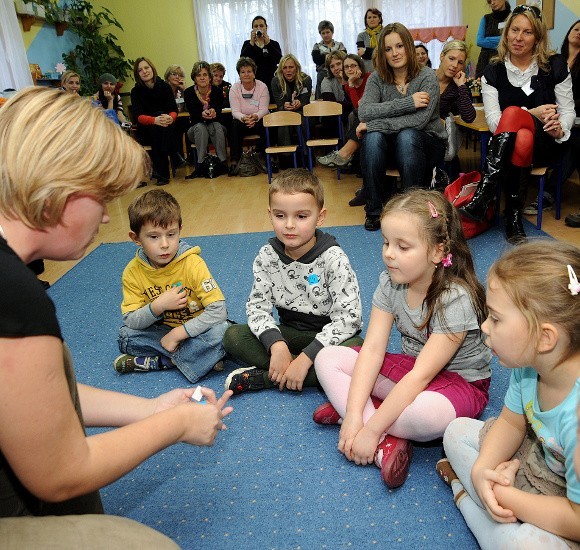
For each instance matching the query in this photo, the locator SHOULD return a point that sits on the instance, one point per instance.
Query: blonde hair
(174, 69)
(444, 229)
(67, 75)
(454, 45)
(380, 61)
(53, 145)
(542, 49)
(300, 76)
(535, 277)
(298, 180)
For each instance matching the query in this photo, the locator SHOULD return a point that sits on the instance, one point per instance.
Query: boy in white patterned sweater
(308, 278)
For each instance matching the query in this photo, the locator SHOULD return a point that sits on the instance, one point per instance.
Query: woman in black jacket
(155, 112)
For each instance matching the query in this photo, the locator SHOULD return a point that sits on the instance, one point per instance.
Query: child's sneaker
(131, 363)
(395, 460)
(325, 414)
(246, 379)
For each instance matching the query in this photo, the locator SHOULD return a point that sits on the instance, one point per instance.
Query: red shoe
(325, 414)
(395, 461)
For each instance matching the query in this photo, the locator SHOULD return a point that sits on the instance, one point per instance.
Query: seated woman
(249, 100)
(570, 49)
(291, 89)
(355, 79)
(321, 50)
(155, 112)
(70, 82)
(400, 124)
(218, 71)
(422, 55)
(527, 95)
(204, 104)
(455, 96)
(107, 100)
(175, 77)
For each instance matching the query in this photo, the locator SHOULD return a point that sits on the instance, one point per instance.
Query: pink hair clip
(432, 210)
(574, 286)
(448, 260)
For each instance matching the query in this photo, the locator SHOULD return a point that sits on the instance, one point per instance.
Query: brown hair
(383, 68)
(199, 66)
(298, 180)
(54, 145)
(535, 277)
(375, 11)
(246, 62)
(217, 67)
(445, 230)
(360, 62)
(157, 207)
(138, 80)
(338, 54)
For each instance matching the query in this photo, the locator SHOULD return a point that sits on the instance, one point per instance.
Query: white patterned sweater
(318, 292)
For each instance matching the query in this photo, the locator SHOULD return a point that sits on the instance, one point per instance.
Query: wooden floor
(239, 205)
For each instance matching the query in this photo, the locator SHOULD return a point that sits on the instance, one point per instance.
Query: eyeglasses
(177, 74)
(523, 8)
(353, 66)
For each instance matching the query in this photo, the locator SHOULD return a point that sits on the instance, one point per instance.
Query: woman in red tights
(527, 95)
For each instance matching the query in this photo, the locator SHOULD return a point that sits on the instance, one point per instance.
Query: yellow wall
(162, 31)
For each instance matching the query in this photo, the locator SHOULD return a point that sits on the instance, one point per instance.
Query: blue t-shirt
(556, 428)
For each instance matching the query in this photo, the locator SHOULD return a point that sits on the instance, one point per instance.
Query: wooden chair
(324, 109)
(277, 119)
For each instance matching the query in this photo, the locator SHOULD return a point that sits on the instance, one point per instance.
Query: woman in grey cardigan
(400, 124)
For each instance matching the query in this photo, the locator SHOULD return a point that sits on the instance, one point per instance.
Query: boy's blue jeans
(194, 357)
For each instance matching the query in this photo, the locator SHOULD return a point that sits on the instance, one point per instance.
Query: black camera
(259, 34)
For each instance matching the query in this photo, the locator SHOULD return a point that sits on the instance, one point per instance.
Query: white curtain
(223, 25)
(14, 69)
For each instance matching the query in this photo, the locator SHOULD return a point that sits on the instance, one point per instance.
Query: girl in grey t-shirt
(431, 294)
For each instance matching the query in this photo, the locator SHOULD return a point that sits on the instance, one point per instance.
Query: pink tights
(423, 420)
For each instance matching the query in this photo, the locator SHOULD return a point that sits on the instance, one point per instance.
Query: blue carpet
(274, 479)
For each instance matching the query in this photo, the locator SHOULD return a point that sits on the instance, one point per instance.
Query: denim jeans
(194, 357)
(413, 152)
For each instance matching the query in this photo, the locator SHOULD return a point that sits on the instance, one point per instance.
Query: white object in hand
(198, 396)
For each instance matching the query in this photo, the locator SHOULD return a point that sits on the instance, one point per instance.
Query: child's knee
(233, 336)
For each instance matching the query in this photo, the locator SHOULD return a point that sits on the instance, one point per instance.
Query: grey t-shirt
(471, 361)
(333, 86)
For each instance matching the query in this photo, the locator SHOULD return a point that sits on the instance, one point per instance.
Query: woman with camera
(265, 52)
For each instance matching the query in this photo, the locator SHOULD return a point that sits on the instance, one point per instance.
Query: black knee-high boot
(516, 189)
(496, 164)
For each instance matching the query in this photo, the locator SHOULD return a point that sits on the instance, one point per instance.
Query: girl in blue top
(533, 496)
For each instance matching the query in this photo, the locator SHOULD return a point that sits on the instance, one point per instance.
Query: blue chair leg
(269, 164)
(540, 203)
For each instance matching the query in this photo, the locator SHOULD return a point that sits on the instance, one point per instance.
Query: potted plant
(55, 13)
(97, 51)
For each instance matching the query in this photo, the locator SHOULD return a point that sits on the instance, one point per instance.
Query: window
(223, 25)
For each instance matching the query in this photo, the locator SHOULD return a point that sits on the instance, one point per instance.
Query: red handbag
(459, 193)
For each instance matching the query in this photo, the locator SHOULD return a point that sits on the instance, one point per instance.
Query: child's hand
(509, 470)
(484, 480)
(280, 359)
(173, 338)
(351, 425)
(174, 298)
(364, 447)
(296, 372)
